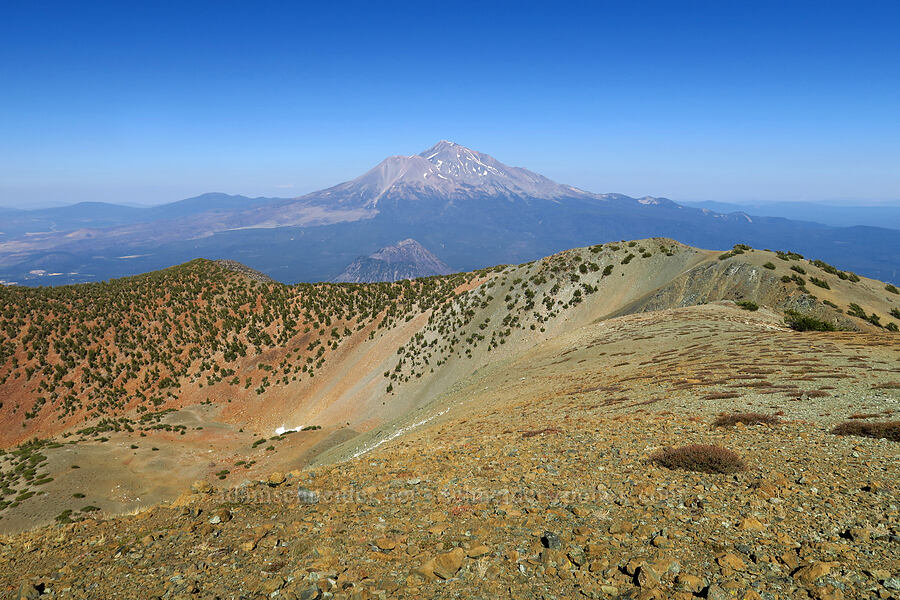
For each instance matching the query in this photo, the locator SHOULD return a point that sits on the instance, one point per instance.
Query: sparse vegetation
(855, 310)
(819, 282)
(135, 343)
(748, 305)
(738, 249)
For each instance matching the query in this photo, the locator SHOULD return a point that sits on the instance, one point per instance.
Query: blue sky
(691, 100)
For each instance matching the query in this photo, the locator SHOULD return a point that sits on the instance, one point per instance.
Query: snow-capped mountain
(406, 259)
(475, 209)
(446, 170)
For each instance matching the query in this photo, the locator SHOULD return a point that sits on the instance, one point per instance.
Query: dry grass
(700, 458)
(889, 430)
(732, 419)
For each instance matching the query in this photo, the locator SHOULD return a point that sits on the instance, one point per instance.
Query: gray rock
(551, 540)
(307, 496)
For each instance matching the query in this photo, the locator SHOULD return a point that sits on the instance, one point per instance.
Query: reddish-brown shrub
(721, 396)
(528, 434)
(889, 430)
(890, 385)
(700, 458)
(730, 420)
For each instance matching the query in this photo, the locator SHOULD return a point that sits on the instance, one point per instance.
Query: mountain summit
(477, 210)
(406, 259)
(446, 170)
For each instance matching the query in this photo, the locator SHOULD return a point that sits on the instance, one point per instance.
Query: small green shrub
(819, 282)
(738, 249)
(800, 322)
(63, 517)
(892, 289)
(856, 310)
(769, 265)
(748, 305)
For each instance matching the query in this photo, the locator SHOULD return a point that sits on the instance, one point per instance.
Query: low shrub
(748, 305)
(800, 322)
(721, 395)
(699, 458)
(819, 282)
(769, 266)
(889, 430)
(730, 420)
(738, 249)
(864, 415)
(532, 433)
(888, 385)
(892, 289)
(856, 310)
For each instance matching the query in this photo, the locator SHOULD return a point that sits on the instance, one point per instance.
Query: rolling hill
(466, 428)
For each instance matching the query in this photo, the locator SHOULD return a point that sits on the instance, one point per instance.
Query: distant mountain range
(473, 208)
(406, 259)
(826, 214)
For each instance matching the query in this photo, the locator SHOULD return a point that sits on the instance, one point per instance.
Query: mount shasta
(468, 208)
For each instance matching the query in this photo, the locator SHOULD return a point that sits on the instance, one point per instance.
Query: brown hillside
(146, 383)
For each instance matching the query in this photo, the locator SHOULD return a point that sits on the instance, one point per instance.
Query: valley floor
(532, 479)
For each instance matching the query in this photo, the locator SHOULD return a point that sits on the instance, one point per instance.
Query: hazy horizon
(834, 202)
(738, 104)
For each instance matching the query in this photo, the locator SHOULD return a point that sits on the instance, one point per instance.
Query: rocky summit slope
(482, 435)
(407, 259)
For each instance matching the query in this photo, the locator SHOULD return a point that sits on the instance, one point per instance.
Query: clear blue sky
(690, 100)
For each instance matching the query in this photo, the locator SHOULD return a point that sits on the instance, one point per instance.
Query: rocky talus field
(632, 420)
